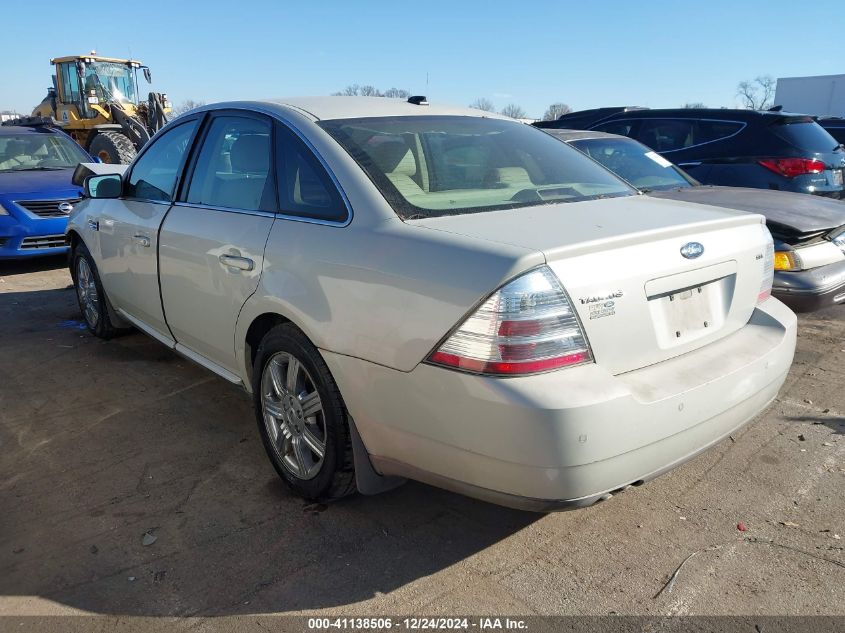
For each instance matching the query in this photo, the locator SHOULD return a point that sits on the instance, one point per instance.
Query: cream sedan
(417, 291)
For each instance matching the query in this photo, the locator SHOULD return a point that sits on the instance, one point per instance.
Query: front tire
(112, 147)
(92, 299)
(301, 416)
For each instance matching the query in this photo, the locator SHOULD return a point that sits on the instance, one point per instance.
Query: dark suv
(741, 148)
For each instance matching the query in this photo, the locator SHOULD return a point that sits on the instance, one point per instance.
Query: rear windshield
(806, 135)
(429, 166)
(634, 162)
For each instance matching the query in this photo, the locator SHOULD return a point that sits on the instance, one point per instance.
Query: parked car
(36, 192)
(735, 148)
(835, 126)
(411, 290)
(809, 231)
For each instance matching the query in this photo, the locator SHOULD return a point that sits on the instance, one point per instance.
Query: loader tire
(112, 147)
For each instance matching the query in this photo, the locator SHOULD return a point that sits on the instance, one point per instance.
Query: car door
(128, 228)
(211, 245)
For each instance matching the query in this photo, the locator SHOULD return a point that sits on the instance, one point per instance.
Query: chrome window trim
(263, 214)
(179, 173)
(743, 125)
(209, 207)
(274, 115)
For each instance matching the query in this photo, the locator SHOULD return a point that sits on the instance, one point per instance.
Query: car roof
(6, 130)
(702, 113)
(577, 135)
(343, 107)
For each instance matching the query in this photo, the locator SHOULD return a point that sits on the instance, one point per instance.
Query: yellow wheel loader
(95, 100)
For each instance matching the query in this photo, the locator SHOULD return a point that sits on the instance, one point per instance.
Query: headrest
(395, 157)
(250, 153)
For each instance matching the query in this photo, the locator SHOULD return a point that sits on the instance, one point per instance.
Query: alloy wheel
(293, 415)
(86, 290)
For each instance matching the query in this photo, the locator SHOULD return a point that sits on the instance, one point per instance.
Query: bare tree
(758, 94)
(185, 106)
(693, 104)
(356, 90)
(483, 104)
(396, 93)
(555, 111)
(513, 111)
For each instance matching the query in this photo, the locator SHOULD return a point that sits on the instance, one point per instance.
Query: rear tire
(92, 299)
(112, 147)
(301, 416)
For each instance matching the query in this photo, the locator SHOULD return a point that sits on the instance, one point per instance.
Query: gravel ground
(104, 442)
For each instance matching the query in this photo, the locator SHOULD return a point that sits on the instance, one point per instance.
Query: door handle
(143, 240)
(243, 263)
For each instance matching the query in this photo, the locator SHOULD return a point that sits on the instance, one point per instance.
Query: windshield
(634, 162)
(806, 135)
(428, 166)
(46, 150)
(110, 81)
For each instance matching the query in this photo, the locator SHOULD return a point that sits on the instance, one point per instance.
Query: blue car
(36, 193)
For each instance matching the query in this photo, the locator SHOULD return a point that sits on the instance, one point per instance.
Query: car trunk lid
(639, 299)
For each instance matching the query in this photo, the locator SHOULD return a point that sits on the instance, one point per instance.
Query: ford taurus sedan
(417, 291)
(809, 231)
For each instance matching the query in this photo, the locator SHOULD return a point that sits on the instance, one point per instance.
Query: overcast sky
(587, 54)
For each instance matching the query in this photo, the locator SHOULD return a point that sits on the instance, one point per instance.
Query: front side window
(154, 174)
(39, 151)
(428, 166)
(634, 162)
(233, 168)
(305, 188)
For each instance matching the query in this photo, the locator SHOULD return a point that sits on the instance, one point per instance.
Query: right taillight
(527, 326)
(791, 167)
(768, 268)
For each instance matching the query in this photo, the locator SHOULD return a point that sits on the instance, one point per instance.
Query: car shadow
(32, 265)
(834, 423)
(133, 482)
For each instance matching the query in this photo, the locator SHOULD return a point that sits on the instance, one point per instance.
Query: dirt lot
(103, 442)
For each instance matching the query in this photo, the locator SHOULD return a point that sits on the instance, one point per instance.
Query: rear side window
(305, 188)
(154, 174)
(668, 135)
(806, 135)
(707, 131)
(623, 128)
(233, 167)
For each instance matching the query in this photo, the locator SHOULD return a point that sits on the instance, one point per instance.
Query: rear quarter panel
(386, 293)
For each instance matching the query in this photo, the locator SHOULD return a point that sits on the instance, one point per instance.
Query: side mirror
(148, 75)
(106, 186)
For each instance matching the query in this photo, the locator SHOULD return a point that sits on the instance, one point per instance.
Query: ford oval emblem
(65, 207)
(692, 250)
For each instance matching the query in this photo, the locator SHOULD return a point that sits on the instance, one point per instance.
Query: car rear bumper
(566, 438)
(813, 289)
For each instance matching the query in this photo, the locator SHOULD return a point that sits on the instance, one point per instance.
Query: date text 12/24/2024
(417, 624)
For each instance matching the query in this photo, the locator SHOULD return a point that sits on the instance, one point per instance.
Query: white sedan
(417, 291)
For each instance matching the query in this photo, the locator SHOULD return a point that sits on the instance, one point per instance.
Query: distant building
(6, 115)
(822, 95)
